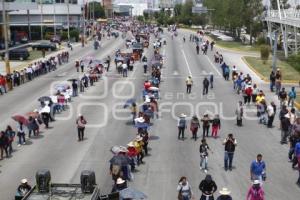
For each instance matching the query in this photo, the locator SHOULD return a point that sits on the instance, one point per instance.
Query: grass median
(236, 46)
(289, 73)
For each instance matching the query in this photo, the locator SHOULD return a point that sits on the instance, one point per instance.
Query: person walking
(224, 194)
(184, 189)
(255, 192)
(205, 86)
(82, 66)
(258, 169)
(282, 95)
(197, 49)
(81, 123)
(285, 128)
(211, 80)
(21, 134)
(205, 125)
(11, 137)
(271, 114)
(230, 144)
(208, 187)
(216, 126)
(297, 154)
(124, 69)
(181, 126)
(239, 114)
(203, 150)
(3, 145)
(195, 124)
(272, 81)
(292, 96)
(74, 88)
(189, 83)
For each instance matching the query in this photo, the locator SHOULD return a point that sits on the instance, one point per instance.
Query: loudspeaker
(87, 181)
(43, 178)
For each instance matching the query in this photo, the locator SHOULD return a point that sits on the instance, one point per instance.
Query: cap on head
(24, 180)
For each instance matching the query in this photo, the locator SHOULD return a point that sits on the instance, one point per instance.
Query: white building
(138, 6)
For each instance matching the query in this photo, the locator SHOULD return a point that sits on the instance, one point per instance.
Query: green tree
(252, 16)
(97, 8)
(140, 18)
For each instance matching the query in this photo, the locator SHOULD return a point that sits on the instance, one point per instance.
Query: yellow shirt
(259, 98)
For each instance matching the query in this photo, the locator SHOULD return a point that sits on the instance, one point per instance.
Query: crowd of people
(126, 159)
(32, 71)
(252, 95)
(29, 124)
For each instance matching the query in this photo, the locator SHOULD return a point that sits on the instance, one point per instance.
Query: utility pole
(54, 17)
(5, 32)
(29, 27)
(68, 5)
(42, 35)
(274, 51)
(83, 24)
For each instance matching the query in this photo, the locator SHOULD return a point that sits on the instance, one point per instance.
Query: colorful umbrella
(20, 119)
(44, 98)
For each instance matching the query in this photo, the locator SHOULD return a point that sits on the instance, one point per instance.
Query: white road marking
(175, 73)
(187, 63)
(212, 64)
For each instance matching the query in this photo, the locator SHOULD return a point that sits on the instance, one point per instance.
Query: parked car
(55, 39)
(17, 54)
(44, 45)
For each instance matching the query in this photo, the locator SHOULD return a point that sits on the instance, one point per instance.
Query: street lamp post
(5, 32)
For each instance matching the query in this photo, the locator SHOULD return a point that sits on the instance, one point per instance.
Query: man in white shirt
(271, 114)
(124, 68)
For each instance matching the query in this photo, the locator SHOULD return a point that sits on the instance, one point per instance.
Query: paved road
(58, 150)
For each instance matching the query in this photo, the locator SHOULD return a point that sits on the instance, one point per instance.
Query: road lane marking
(187, 63)
(213, 66)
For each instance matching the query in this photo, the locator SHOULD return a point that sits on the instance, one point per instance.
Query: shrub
(64, 35)
(261, 41)
(74, 34)
(264, 53)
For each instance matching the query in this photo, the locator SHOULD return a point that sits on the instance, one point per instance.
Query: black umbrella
(44, 98)
(72, 79)
(120, 160)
